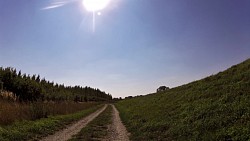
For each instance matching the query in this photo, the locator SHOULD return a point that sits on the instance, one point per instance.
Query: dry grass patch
(15, 111)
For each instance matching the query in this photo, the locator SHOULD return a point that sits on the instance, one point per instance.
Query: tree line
(33, 88)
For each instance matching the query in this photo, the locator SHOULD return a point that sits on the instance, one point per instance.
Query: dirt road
(117, 131)
(73, 129)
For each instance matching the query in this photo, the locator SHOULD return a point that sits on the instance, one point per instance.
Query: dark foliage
(162, 88)
(32, 88)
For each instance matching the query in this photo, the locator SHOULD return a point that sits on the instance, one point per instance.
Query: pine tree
(1, 85)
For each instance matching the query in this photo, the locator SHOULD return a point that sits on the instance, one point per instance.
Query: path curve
(117, 131)
(67, 133)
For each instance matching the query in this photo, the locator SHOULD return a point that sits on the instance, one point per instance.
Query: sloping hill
(214, 108)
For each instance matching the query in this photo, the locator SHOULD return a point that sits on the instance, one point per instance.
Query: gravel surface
(117, 131)
(67, 133)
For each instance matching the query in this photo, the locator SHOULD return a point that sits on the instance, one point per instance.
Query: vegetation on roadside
(96, 129)
(33, 130)
(214, 108)
(15, 111)
(31, 106)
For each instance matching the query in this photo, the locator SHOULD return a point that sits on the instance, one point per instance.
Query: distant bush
(162, 88)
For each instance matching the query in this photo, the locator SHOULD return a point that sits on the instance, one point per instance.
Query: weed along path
(117, 131)
(73, 129)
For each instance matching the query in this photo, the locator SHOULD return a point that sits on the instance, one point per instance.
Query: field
(214, 108)
(35, 129)
(16, 111)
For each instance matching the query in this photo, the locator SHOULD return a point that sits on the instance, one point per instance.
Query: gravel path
(117, 131)
(65, 134)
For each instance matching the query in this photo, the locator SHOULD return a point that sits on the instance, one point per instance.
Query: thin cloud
(57, 4)
(52, 6)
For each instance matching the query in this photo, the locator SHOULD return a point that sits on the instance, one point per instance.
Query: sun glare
(95, 5)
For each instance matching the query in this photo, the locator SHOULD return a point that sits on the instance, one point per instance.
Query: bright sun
(95, 5)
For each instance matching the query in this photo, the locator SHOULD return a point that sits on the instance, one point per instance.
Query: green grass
(96, 129)
(214, 108)
(32, 130)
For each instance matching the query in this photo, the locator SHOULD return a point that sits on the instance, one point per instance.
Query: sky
(137, 45)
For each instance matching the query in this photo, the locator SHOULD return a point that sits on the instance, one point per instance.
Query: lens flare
(95, 5)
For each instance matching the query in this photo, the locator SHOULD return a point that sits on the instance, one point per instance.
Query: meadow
(12, 111)
(35, 129)
(214, 108)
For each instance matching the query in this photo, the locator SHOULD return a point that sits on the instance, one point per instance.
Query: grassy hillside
(214, 108)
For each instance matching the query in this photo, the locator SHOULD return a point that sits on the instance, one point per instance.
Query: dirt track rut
(117, 131)
(67, 133)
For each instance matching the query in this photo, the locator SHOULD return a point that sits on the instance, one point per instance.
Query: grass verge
(17, 111)
(214, 108)
(96, 129)
(33, 130)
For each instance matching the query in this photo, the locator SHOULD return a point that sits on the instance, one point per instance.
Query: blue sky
(137, 45)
